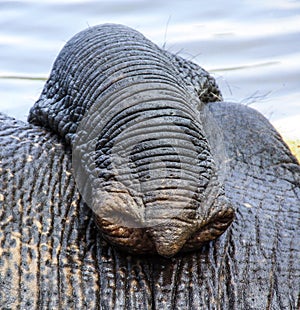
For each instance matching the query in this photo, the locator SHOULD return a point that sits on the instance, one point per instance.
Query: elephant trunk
(140, 155)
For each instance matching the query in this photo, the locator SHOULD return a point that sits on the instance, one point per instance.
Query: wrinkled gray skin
(133, 116)
(52, 256)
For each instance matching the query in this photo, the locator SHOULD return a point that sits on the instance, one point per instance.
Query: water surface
(252, 47)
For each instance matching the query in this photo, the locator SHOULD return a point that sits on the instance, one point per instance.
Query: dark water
(252, 47)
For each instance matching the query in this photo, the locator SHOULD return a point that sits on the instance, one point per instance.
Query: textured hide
(53, 257)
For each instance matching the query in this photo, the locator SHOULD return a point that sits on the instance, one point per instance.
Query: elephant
(233, 243)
